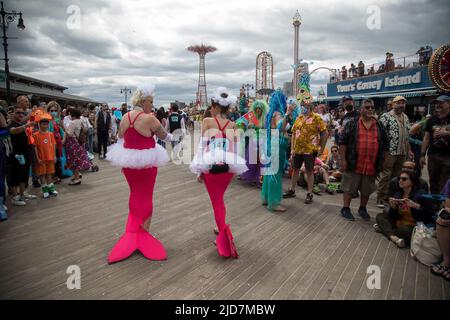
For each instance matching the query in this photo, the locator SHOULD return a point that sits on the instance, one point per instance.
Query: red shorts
(45, 167)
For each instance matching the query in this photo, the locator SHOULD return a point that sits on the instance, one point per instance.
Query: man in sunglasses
(19, 160)
(362, 149)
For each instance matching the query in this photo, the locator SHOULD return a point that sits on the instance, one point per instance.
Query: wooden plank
(307, 252)
(237, 276)
(321, 276)
(386, 271)
(360, 275)
(365, 293)
(297, 284)
(398, 271)
(292, 268)
(409, 281)
(236, 289)
(334, 274)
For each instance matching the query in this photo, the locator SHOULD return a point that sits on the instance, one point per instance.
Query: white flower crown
(223, 98)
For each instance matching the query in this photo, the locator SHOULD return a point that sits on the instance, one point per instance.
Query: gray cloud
(126, 43)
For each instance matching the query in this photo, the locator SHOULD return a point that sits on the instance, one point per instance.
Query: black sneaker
(309, 198)
(289, 194)
(363, 214)
(347, 214)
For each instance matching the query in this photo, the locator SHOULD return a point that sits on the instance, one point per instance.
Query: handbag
(424, 246)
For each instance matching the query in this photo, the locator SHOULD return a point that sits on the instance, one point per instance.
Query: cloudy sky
(126, 43)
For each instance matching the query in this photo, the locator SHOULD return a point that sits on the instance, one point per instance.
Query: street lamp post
(8, 17)
(248, 87)
(126, 91)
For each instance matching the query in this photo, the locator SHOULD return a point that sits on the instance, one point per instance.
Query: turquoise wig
(277, 103)
(260, 104)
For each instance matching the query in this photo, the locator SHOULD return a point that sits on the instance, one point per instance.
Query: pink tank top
(134, 140)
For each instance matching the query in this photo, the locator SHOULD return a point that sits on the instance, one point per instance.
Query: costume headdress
(222, 97)
(304, 97)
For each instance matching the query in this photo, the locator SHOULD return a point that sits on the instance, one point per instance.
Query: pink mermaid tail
(216, 185)
(141, 182)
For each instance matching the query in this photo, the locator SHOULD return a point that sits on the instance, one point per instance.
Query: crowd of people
(359, 70)
(369, 153)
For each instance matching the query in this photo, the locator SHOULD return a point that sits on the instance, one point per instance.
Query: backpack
(84, 132)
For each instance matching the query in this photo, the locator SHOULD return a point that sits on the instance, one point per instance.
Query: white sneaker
(29, 196)
(17, 201)
(45, 195)
(5, 208)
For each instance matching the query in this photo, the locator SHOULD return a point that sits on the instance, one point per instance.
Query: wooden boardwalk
(309, 252)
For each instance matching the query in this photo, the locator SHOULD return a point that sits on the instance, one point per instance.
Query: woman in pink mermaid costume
(216, 162)
(139, 157)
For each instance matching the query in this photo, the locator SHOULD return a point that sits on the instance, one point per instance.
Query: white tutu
(136, 159)
(202, 162)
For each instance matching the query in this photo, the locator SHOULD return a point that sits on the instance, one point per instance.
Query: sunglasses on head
(403, 178)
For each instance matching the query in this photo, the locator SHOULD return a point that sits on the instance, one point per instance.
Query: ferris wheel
(439, 68)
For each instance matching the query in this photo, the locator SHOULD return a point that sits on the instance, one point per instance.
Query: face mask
(349, 107)
(303, 110)
(54, 114)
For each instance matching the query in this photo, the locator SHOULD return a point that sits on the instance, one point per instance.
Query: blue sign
(406, 79)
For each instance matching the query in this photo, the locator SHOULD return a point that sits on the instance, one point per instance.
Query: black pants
(389, 228)
(102, 137)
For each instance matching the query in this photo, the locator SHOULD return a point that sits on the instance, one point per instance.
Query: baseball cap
(442, 98)
(398, 98)
(346, 98)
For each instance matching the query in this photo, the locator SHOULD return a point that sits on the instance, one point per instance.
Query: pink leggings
(141, 182)
(216, 185)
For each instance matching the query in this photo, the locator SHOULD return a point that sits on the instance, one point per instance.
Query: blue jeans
(90, 141)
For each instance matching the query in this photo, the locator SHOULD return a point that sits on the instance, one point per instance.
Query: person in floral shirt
(309, 137)
(397, 128)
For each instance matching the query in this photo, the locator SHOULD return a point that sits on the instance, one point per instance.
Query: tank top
(219, 141)
(134, 140)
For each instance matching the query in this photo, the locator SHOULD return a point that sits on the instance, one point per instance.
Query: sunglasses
(53, 110)
(334, 151)
(19, 112)
(403, 178)
(369, 107)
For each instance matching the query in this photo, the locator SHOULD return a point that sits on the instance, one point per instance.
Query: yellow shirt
(306, 132)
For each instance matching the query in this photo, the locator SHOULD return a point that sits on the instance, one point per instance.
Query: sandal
(216, 230)
(439, 269)
(398, 241)
(279, 209)
(75, 182)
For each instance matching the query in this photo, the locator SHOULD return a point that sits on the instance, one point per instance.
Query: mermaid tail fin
(150, 247)
(225, 243)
